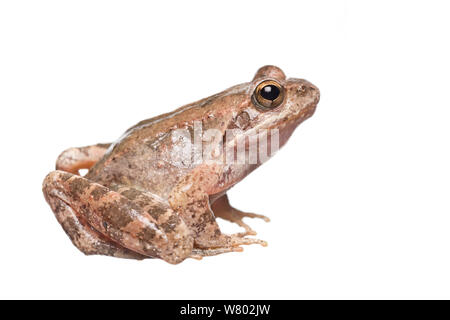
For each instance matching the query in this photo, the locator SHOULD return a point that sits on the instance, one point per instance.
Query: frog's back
(145, 157)
(139, 159)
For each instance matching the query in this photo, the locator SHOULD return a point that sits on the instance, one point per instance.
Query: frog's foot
(74, 159)
(222, 208)
(126, 222)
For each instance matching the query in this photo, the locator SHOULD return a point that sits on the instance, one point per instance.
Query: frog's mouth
(290, 124)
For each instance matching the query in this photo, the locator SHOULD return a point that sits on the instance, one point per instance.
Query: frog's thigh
(83, 236)
(142, 226)
(74, 159)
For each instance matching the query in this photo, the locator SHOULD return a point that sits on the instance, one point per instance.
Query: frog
(138, 201)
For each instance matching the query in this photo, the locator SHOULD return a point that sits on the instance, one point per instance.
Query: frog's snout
(305, 96)
(309, 91)
(315, 93)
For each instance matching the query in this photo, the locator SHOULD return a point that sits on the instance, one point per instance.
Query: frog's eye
(268, 94)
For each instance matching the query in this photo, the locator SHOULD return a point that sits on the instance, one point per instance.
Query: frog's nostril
(308, 90)
(302, 90)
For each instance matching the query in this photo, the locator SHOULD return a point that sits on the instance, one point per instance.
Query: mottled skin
(136, 202)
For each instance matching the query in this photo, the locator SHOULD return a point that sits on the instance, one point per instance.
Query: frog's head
(238, 118)
(273, 102)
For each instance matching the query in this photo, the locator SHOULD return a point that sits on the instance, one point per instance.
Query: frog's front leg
(222, 209)
(74, 159)
(190, 199)
(127, 218)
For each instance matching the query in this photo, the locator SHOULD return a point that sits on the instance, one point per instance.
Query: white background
(359, 197)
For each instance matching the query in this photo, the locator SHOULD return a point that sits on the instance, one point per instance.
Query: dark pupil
(270, 92)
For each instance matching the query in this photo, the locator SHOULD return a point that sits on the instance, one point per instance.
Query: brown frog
(139, 200)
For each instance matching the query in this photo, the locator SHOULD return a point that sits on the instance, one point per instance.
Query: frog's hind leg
(83, 236)
(100, 220)
(74, 159)
(222, 209)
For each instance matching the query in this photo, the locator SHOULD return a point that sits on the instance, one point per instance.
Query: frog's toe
(248, 230)
(200, 253)
(238, 240)
(254, 215)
